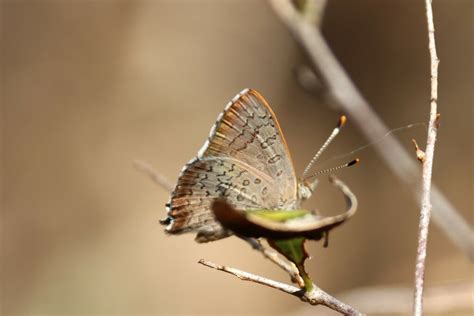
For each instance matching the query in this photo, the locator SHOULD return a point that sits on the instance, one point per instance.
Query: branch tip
(314, 297)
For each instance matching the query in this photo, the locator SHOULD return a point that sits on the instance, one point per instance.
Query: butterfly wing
(245, 160)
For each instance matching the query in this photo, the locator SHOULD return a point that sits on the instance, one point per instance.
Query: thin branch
(426, 206)
(314, 297)
(274, 257)
(348, 99)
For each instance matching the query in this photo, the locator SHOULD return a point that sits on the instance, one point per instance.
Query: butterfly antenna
(331, 170)
(340, 124)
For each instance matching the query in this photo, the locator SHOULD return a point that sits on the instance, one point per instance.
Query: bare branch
(426, 206)
(314, 297)
(348, 99)
(274, 257)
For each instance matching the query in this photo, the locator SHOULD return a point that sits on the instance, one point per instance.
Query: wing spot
(274, 159)
(254, 198)
(268, 142)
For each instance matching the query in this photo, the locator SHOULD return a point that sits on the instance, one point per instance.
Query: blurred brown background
(87, 86)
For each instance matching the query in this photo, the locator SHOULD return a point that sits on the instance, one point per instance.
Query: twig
(274, 257)
(426, 206)
(314, 297)
(349, 100)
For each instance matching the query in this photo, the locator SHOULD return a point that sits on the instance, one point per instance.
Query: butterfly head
(305, 190)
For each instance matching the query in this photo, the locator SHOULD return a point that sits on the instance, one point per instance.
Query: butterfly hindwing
(202, 181)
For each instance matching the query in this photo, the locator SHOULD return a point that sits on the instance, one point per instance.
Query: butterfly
(245, 163)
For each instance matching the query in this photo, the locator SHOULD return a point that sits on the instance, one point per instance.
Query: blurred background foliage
(87, 86)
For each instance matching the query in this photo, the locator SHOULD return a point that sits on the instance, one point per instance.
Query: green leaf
(293, 249)
(280, 215)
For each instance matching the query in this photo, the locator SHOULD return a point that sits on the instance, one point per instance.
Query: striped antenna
(331, 170)
(340, 124)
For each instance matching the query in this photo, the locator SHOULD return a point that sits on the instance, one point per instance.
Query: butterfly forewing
(245, 160)
(248, 131)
